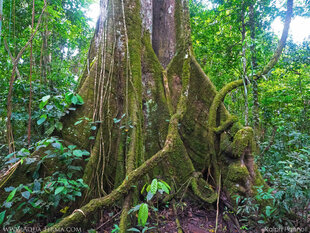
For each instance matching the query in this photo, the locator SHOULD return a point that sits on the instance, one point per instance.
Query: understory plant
(286, 202)
(154, 190)
(50, 196)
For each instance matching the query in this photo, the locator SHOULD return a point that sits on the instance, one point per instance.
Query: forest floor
(193, 218)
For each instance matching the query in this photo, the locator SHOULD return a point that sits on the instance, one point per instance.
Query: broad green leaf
(154, 186)
(12, 194)
(7, 204)
(9, 189)
(46, 98)
(80, 99)
(59, 190)
(85, 152)
(28, 189)
(78, 153)
(26, 194)
(134, 209)
(143, 214)
(2, 215)
(78, 122)
(42, 104)
(10, 155)
(36, 185)
(163, 187)
(167, 185)
(149, 196)
(77, 193)
(68, 97)
(41, 120)
(50, 130)
(133, 229)
(74, 100)
(72, 147)
(58, 126)
(49, 107)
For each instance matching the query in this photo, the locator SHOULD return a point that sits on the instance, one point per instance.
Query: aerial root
(226, 125)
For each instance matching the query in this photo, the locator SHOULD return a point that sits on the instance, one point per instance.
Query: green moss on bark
(235, 181)
(243, 139)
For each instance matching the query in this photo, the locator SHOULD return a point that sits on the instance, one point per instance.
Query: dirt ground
(193, 218)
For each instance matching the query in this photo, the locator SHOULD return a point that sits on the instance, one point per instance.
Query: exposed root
(203, 190)
(177, 221)
(217, 204)
(126, 207)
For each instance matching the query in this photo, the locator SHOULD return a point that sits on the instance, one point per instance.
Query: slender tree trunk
(30, 76)
(244, 66)
(254, 66)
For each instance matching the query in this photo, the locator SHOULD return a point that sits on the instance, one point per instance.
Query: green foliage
(286, 203)
(45, 196)
(59, 50)
(143, 214)
(157, 187)
(53, 108)
(115, 229)
(145, 229)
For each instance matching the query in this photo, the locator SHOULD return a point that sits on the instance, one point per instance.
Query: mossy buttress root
(203, 190)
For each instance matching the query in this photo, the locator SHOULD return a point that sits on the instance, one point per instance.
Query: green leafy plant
(53, 108)
(157, 187)
(115, 229)
(45, 196)
(289, 196)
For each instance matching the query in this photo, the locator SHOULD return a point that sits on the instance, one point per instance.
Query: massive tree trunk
(152, 102)
(157, 114)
